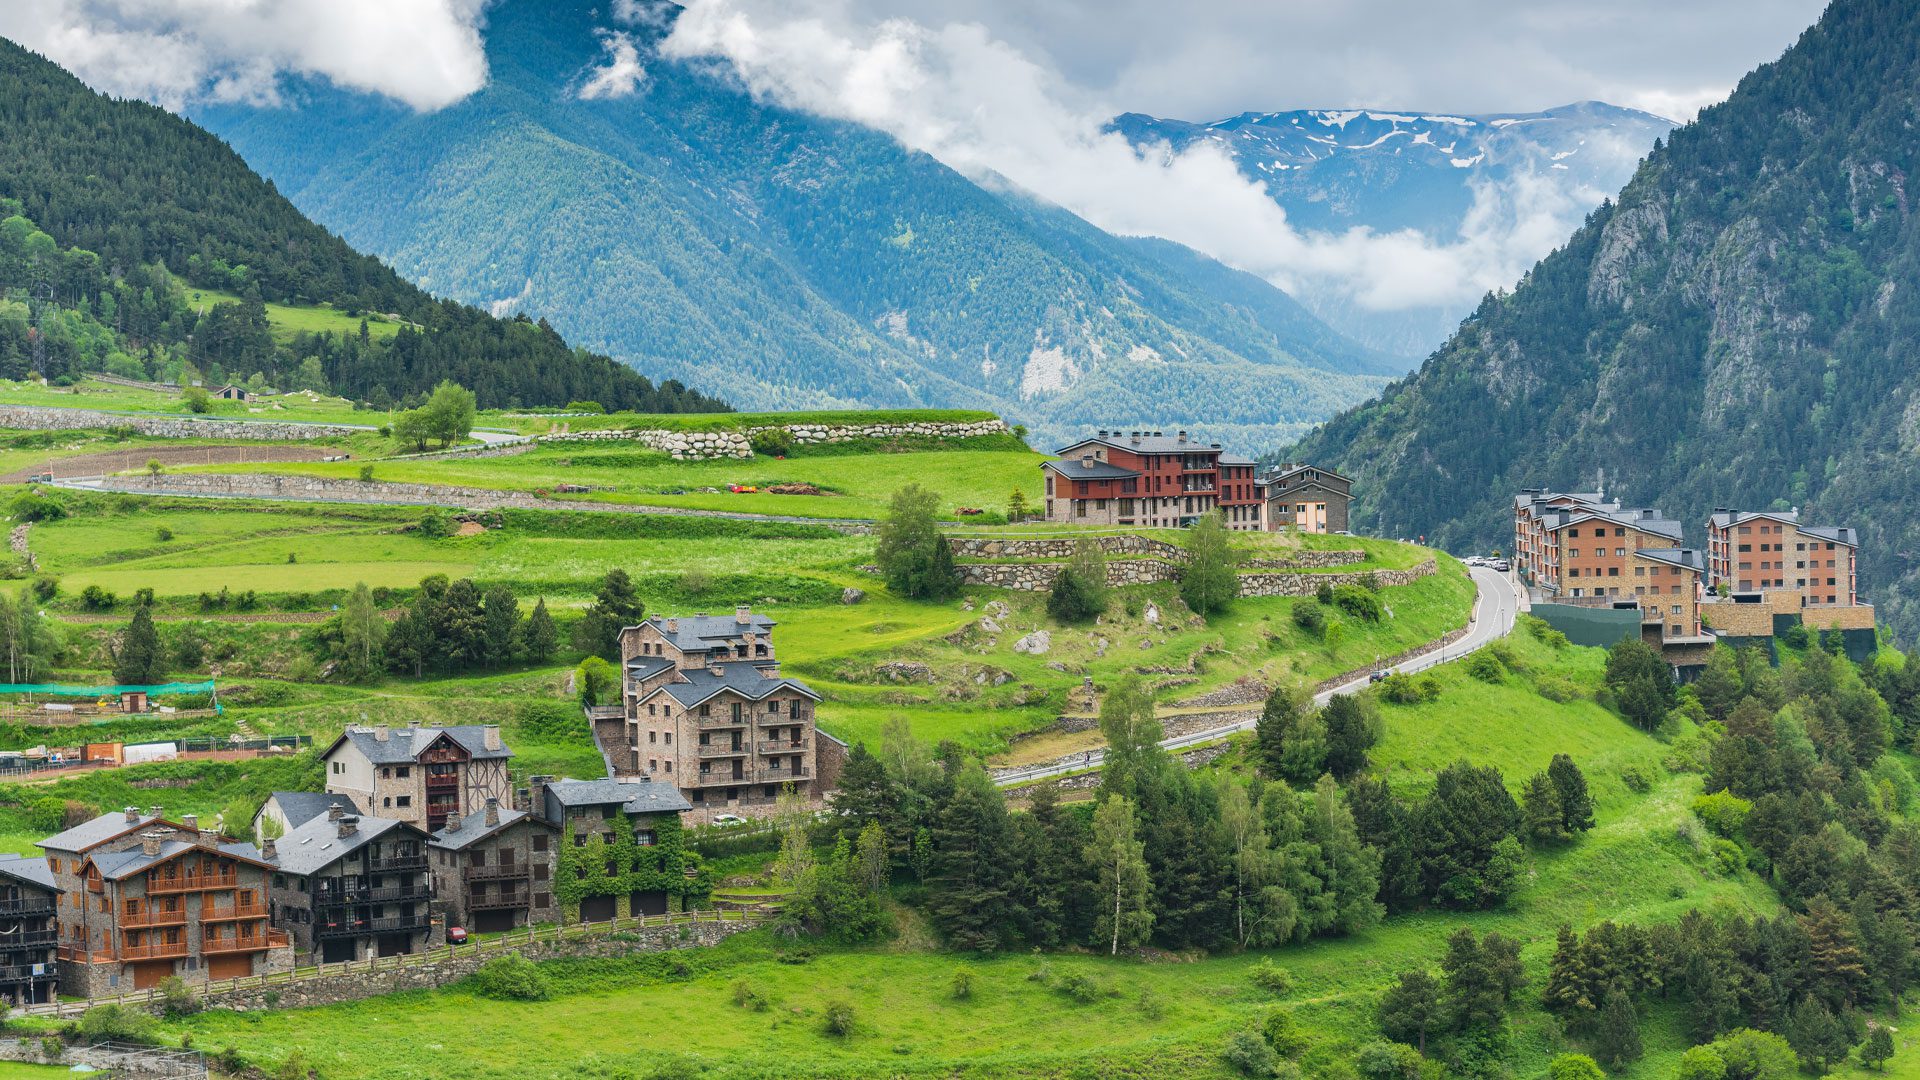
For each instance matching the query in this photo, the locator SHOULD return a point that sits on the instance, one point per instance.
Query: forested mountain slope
(1737, 329)
(140, 189)
(786, 260)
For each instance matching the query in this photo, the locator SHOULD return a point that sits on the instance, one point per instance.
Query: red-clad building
(1146, 479)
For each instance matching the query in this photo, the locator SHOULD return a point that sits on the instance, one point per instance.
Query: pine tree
(1540, 807)
(1209, 582)
(1835, 966)
(1576, 804)
(1411, 1009)
(1719, 688)
(1290, 737)
(970, 900)
(459, 627)
(865, 795)
(1385, 825)
(139, 661)
(1617, 1041)
(410, 640)
(1474, 995)
(1119, 859)
(1818, 1036)
(1017, 507)
(539, 638)
(615, 607)
(1351, 732)
(499, 626)
(1462, 825)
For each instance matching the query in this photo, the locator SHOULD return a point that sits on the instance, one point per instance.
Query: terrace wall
(737, 443)
(44, 418)
(1038, 577)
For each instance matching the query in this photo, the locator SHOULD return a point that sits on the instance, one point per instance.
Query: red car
(456, 935)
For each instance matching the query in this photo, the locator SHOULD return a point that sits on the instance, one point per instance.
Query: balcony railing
(720, 779)
(155, 950)
(191, 882)
(781, 776)
(24, 973)
(718, 750)
(229, 914)
(437, 781)
(719, 720)
(497, 873)
(389, 894)
(510, 898)
(244, 943)
(782, 746)
(398, 862)
(28, 939)
(396, 924)
(26, 906)
(154, 917)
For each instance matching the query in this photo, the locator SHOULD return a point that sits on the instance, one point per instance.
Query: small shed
(235, 392)
(134, 701)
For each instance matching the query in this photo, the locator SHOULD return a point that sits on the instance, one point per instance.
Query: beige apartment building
(420, 775)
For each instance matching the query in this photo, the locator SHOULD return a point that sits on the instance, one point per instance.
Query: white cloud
(623, 72)
(981, 106)
(425, 53)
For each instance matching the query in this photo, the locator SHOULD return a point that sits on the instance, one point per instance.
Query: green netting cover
(61, 690)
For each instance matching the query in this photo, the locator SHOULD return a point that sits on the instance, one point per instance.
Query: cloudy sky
(1021, 89)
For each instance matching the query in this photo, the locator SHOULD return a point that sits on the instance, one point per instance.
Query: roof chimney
(743, 615)
(191, 821)
(150, 842)
(1086, 461)
(269, 849)
(349, 825)
(155, 811)
(493, 811)
(673, 626)
(1183, 436)
(133, 815)
(453, 823)
(334, 811)
(1102, 433)
(1216, 446)
(210, 838)
(537, 796)
(382, 733)
(491, 734)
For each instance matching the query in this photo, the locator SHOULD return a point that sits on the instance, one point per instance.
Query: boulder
(1035, 643)
(1152, 614)
(851, 595)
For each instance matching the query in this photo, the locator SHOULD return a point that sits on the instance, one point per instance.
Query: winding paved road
(1496, 605)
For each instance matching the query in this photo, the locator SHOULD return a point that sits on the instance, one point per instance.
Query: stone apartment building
(420, 775)
(493, 868)
(1762, 551)
(348, 887)
(143, 897)
(708, 712)
(579, 810)
(29, 933)
(1307, 497)
(1144, 478)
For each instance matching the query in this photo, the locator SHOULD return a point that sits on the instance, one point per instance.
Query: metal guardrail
(509, 942)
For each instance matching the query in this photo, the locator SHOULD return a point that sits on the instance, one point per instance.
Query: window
(539, 841)
(736, 712)
(404, 800)
(706, 710)
(651, 736)
(385, 773)
(644, 838)
(667, 737)
(1573, 553)
(542, 900)
(1613, 571)
(1573, 532)
(387, 802)
(401, 773)
(669, 765)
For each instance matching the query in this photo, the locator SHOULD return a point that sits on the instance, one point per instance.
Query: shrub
(1575, 1067)
(176, 1000)
(1249, 1055)
(366, 474)
(1150, 1005)
(37, 506)
(772, 442)
(1358, 602)
(1723, 811)
(95, 598)
(44, 587)
(1382, 1060)
(1556, 688)
(295, 1067)
(1310, 617)
(511, 978)
(1483, 665)
(197, 399)
(1636, 779)
(1324, 594)
(436, 525)
(586, 407)
(840, 1019)
(749, 996)
(1283, 1034)
(163, 534)
(1544, 632)
(1728, 855)
(962, 983)
(1081, 987)
(109, 1023)
(1271, 977)
(1403, 689)
(52, 1048)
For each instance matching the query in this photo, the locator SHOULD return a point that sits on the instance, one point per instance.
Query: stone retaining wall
(1038, 577)
(44, 418)
(382, 492)
(737, 442)
(992, 547)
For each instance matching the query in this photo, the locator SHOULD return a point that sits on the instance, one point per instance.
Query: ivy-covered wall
(620, 866)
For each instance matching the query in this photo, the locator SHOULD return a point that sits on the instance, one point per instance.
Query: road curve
(1496, 604)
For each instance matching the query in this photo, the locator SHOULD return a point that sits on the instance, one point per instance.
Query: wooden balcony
(231, 914)
(782, 746)
(394, 924)
(243, 943)
(26, 906)
(499, 873)
(398, 862)
(507, 898)
(720, 750)
(153, 917)
(24, 973)
(156, 950)
(183, 883)
(28, 939)
(443, 781)
(419, 890)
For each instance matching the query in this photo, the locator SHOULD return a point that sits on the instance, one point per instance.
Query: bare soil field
(112, 461)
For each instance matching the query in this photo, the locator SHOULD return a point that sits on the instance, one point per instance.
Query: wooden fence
(509, 942)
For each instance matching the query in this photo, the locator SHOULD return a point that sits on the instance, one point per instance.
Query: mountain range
(1736, 329)
(1500, 177)
(784, 260)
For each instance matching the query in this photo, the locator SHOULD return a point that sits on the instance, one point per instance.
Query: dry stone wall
(1038, 577)
(737, 443)
(43, 418)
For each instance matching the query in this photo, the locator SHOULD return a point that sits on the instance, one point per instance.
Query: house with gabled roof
(1311, 498)
(420, 775)
(628, 816)
(1151, 480)
(708, 712)
(352, 887)
(288, 810)
(145, 897)
(29, 931)
(493, 868)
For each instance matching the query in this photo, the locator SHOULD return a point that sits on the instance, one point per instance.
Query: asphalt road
(1495, 607)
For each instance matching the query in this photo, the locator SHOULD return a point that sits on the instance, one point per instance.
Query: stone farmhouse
(347, 887)
(420, 775)
(29, 932)
(144, 898)
(614, 811)
(708, 712)
(493, 869)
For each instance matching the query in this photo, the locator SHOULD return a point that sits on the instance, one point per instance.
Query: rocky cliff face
(1735, 329)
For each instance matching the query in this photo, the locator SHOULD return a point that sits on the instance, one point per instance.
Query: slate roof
(119, 865)
(1288, 472)
(300, 807)
(403, 744)
(1075, 469)
(318, 844)
(1236, 459)
(1840, 534)
(646, 667)
(1724, 518)
(88, 834)
(1691, 558)
(474, 827)
(1145, 444)
(30, 870)
(1648, 521)
(634, 796)
(701, 633)
(744, 679)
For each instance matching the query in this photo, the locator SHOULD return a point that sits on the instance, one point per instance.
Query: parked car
(1503, 566)
(728, 819)
(1377, 676)
(456, 935)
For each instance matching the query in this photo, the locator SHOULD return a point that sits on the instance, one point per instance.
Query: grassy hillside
(289, 320)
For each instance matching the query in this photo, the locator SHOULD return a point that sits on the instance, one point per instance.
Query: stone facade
(737, 442)
(372, 899)
(498, 878)
(422, 776)
(43, 418)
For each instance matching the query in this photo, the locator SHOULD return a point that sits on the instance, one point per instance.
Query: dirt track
(112, 461)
